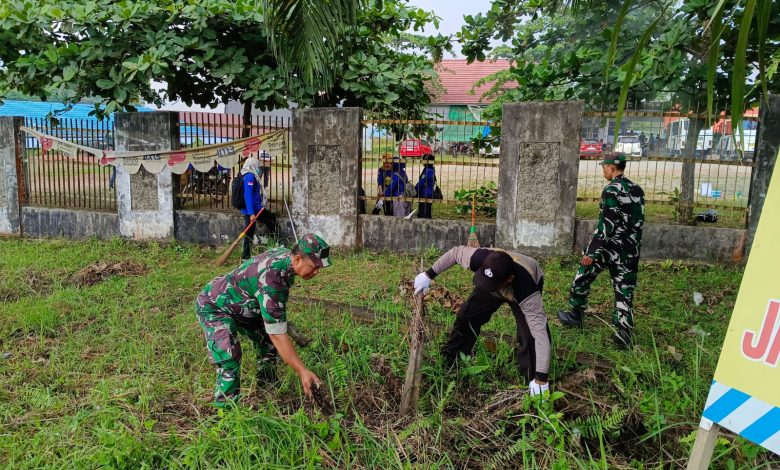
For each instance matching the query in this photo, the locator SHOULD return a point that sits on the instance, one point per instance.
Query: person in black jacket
(499, 277)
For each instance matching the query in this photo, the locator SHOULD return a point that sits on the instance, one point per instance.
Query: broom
(241, 236)
(473, 240)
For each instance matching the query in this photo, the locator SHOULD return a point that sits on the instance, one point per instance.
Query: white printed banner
(227, 154)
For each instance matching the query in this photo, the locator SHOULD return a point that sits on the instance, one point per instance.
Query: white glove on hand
(538, 389)
(421, 283)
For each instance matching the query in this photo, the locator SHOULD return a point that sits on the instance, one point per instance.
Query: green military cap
(315, 248)
(613, 159)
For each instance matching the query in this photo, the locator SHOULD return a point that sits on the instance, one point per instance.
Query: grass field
(114, 374)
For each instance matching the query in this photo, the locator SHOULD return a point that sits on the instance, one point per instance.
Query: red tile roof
(457, 78)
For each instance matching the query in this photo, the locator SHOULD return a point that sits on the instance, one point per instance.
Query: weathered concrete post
(326, 173)
(767, 146)
(145, 200)
(537, 188)
(10, 148)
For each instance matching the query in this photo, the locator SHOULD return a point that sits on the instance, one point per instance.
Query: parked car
(629, 145)
(590, 149)
(415, 148)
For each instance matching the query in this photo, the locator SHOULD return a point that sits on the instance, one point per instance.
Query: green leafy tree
(587, 53)
(212, 51)
(612, 52)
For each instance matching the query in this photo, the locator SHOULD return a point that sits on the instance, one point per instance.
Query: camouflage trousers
(224, 349)
(623, 273)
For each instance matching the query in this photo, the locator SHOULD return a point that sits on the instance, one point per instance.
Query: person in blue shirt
(388, 186)
(395, 185)
(425, 187)
(384, 178)
(253, 200)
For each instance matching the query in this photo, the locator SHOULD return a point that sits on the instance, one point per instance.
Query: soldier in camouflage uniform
(252, 300)
(614, 246)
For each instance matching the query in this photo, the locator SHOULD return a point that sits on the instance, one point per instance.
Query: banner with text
(227, 154)
(745, 394)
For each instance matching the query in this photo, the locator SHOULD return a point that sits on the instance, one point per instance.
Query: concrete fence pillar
(767, 146)
(145, 200)
(327, 173)
(10, 153)
(537, 189)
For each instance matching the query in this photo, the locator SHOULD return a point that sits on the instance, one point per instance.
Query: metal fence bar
(56, 180)
(457, 164)
(211, 190)
(721, 180)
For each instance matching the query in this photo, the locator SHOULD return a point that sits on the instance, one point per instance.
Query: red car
(590, 149)
(415, 148)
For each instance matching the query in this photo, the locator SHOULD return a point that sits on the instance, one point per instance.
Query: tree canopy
(591, 52)
(211, 51)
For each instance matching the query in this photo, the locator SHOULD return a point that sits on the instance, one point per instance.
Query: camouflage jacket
(621, 216)
(258, 289)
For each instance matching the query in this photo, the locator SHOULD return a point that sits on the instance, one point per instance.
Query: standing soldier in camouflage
(614, 246)
(252, 300)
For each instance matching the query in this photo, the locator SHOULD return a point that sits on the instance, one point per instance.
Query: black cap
(495, 270)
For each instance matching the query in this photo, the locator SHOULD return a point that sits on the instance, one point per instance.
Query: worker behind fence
(499, 277)
(384, 179)
(252, 300)
(253, 202)
(425, 187)
(614, 246)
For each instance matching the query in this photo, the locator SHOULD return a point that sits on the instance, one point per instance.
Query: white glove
(538, 389)
(421, 283)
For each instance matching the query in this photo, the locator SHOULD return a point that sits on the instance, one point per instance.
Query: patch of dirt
(379, 401)
(436, 294)
(321, 400)
(180, 413)
(100, 271)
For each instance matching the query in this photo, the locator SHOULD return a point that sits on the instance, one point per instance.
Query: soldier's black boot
(623, 338)
(572, 319)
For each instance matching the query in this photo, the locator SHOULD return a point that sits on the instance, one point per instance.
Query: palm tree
(304, 33)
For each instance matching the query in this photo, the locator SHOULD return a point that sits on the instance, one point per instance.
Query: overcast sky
(450, 11)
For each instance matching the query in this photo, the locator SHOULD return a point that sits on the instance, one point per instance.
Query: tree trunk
(688, 176)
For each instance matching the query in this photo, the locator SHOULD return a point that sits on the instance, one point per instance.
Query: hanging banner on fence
(226, 154)
(744, 396)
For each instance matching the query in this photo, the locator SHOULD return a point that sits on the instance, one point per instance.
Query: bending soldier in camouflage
(614, 246)
(252, 300)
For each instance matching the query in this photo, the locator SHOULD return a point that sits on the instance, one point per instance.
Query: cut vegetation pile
(100, 271)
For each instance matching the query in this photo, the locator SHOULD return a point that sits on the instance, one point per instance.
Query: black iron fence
(408, 162)
(443, 164)
(211, 190)
(658, 147)
(55, 180)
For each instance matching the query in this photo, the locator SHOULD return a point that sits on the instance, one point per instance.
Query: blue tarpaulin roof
(39, 109)
(32, 110)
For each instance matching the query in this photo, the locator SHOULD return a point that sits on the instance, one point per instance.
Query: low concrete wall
(206, 228)
(396, 234)
(69, 223)
(215, 228)
(698, 243)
